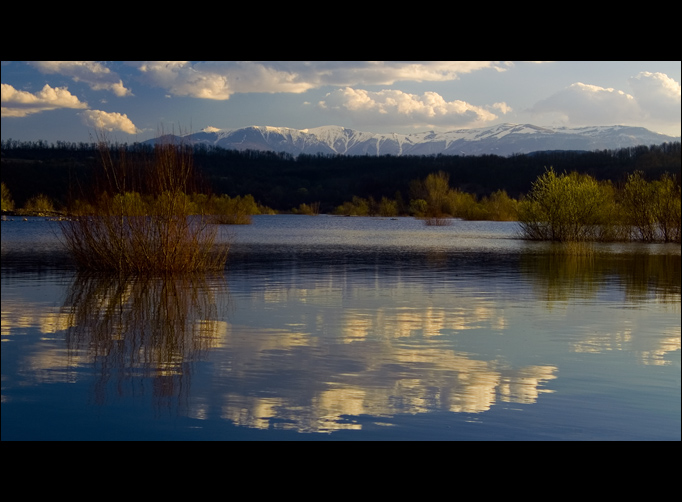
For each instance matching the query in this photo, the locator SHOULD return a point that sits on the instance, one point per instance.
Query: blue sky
(134, 100)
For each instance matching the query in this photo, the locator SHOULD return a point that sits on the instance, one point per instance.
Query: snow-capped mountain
(502, 139)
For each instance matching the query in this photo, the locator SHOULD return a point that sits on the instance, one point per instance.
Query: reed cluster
(141, 220)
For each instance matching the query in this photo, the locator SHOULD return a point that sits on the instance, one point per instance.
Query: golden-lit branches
(142, 219)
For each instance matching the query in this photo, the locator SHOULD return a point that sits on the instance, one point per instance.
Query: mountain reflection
(143, 328)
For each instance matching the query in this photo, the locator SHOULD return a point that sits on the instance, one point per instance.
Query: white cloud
(655, 98)
(93, 73)
(657, 95)
(396, 107)
(349, 73)
(589, 104)
(220, 79)
(17, 103)
(107, 121)
(503, 108)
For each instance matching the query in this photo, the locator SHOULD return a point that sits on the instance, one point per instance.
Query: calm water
(326, 328)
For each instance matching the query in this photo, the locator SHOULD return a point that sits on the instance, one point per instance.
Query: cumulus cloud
(503, 108)
(16, 103)
(654, 97)
(220, 79)
(588, 104)
(93, 73)
(396, 107)
(107, 121)
(657, 95)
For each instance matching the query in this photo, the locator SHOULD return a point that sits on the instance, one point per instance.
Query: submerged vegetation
(139, 218)
(621, 195)
(576, 207)
(435, 201)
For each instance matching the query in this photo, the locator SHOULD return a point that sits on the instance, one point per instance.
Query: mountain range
(503, 139)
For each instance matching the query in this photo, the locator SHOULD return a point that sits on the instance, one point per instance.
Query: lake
(345, 328)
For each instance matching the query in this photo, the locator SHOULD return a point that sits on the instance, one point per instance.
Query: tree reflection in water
(558, 276)
(136, 329)
(312, 347)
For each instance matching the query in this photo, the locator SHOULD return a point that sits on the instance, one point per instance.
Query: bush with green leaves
(6, 200)
(234, 210)
(652, 208)
(38, 204)
(564, 207)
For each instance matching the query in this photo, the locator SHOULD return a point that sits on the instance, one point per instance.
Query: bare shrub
(141, 219)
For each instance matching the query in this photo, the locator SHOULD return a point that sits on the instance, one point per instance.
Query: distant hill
(503, 140)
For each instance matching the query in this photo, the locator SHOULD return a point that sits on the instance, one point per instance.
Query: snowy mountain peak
(502, 139)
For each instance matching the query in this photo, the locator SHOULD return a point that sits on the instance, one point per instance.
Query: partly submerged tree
(565, 207)
(652, 208)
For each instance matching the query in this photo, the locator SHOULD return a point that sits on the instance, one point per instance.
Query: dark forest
(63, 171)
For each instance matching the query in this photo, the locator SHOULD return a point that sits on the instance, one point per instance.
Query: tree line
(481, 185)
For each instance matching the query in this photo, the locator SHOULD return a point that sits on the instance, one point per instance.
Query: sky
(131, 101)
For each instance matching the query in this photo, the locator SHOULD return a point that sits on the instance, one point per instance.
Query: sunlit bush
(565, 207)
(6, 201)
(652, 208)
(500, 207)
(159, 231)
(668, 208)
(356, 207)
(38, 204)
(418, 207)
(234, 211)
(307, 209)
(388, 207)
(575, 207)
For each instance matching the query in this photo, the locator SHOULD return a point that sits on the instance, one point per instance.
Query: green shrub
(667, 208)
(356, 207)
(308, 209)
(234, 211)
(388, 207)
(38, 204)
(6, 199)
(418, 207)
(637, 200)
(565, 207)
(500, 207)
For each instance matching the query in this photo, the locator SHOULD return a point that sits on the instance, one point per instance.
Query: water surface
(345, 328)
